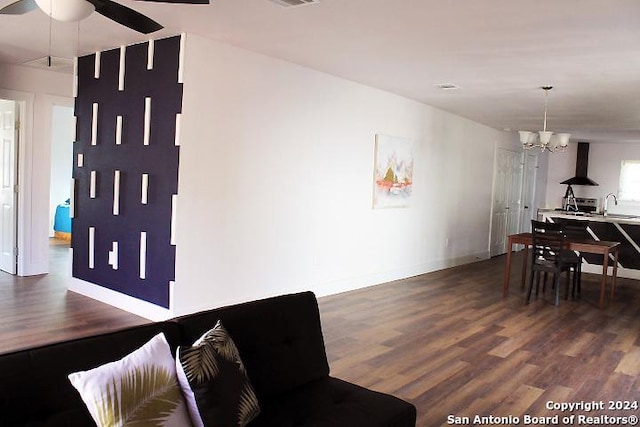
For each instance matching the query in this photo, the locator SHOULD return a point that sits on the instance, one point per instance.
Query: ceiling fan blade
(19, 8)
(126, 16)
(180, 1)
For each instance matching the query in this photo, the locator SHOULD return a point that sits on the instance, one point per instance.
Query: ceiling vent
(447, 86)
(60, 65)
(293, 3)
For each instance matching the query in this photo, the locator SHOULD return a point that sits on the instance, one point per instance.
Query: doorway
(529, 177)
(32, 153)
(514, 196)
(506, 199)
(62, 134)
(61, 173)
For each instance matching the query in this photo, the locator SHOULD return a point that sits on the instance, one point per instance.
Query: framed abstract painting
(393, 172)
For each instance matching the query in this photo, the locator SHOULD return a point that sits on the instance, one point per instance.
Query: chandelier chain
(50, 36)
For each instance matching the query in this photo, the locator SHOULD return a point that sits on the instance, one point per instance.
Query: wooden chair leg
(579, 281)
(576, 281)
(530, 287)
(556, 284)
(544, 282)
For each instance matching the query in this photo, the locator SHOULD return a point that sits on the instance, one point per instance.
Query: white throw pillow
(141, 387)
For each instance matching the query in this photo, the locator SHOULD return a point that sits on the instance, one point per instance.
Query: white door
(528, 191)
(8, 189)
(506, 201)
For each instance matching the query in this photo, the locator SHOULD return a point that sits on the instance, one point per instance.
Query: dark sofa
(280, 342)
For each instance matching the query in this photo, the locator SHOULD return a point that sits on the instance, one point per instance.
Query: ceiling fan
(76, 10)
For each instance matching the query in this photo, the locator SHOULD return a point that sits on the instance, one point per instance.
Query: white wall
(37, 90)
(275, 190)
(604, 168)
(276, 180)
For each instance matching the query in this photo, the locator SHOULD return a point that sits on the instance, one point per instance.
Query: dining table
(607, 249)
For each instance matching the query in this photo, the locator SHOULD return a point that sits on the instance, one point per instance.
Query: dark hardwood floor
(446, 341)
(451, 344)
(38, 309)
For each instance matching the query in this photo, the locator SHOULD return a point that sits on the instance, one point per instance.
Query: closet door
(8, 190)
(506, 200)
(528, 211)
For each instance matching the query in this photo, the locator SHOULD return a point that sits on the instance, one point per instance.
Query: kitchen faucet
(606, 201)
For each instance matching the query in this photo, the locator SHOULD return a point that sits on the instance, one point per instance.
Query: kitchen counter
(613, 227)
(611, 217)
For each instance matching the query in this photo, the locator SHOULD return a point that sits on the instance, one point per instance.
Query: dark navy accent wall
(158, 160)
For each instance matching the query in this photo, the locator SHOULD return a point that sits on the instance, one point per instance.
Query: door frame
(24, 103)
(39, 242)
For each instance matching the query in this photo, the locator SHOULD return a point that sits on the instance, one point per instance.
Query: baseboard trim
(119, 300)
(156, 313)
(353, 283)
(627, 273)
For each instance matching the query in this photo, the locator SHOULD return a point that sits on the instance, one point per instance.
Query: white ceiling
(498, 51)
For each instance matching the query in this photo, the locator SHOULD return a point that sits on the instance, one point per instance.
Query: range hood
(582, 164)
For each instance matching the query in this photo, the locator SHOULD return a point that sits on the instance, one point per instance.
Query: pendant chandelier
(544, 139)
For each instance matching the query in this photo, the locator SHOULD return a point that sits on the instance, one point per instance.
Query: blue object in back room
(62, 221)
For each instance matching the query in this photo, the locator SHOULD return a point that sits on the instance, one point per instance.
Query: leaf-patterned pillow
(139, 389)
(214, 381)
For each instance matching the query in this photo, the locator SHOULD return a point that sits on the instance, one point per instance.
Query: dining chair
(548, 255)
(576, 229)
